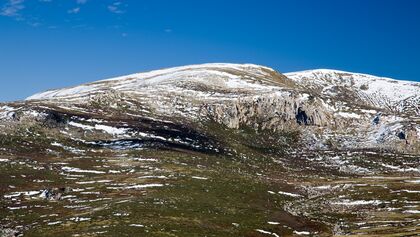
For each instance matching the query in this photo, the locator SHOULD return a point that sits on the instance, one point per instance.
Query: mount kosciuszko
(214, 150)
(322, 109)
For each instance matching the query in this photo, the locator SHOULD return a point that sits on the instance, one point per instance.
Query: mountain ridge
(144, 78)
(152, 73)
(318, 154)
(238, 95)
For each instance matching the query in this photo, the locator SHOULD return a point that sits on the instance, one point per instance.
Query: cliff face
(275, 111)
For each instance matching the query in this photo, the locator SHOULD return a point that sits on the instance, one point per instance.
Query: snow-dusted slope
(370, 90)
(215, 75)
(357, 110)
(376, 91)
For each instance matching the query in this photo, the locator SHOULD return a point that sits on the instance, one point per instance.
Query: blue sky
(48, 44)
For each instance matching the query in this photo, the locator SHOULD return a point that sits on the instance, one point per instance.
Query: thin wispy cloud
(12, 8)
(32, 13)
(116, 8)
(34, 24)
(74, 10)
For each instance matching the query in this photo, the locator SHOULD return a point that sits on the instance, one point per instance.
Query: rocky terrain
(214, 150)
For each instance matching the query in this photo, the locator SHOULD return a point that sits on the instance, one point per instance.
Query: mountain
(298, 151)
(361, 111)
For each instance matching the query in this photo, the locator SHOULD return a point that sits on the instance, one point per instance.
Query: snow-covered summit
(338, 76)
(212, 74)
(378, 91)
(213, 78)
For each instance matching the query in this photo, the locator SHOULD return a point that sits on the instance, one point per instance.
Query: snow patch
(289, 194)
(349, 115)
(267, 232)
(77, 170)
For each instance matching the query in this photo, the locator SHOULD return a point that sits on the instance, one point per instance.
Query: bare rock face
(413, 139)
(274, 112)
(9, 232)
